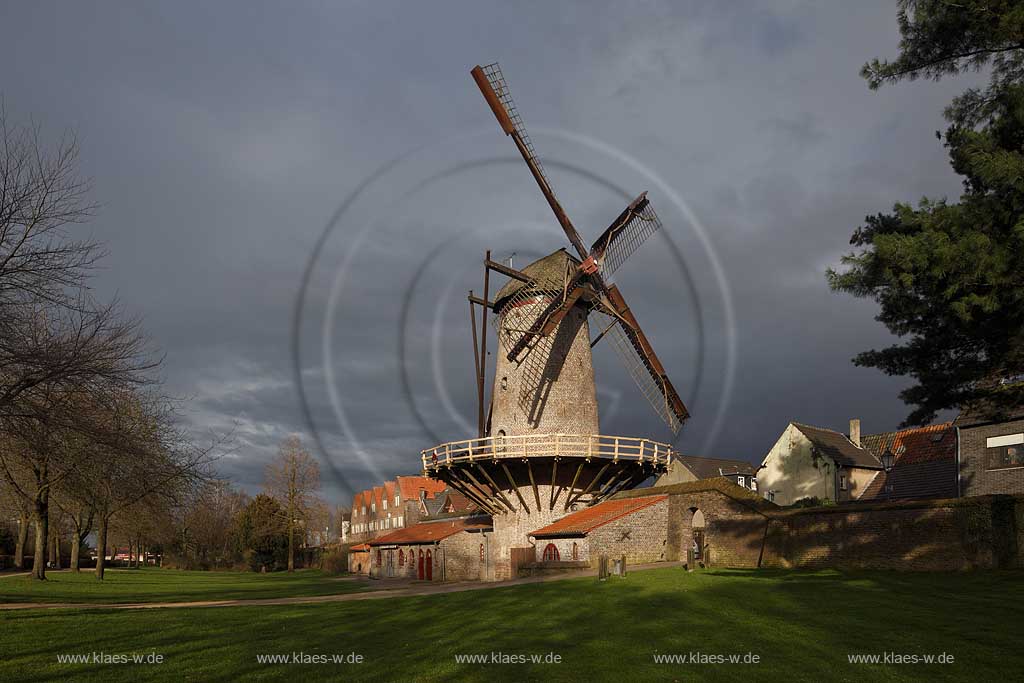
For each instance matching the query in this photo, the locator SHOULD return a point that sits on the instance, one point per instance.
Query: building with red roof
(455, 549)
(634, 528)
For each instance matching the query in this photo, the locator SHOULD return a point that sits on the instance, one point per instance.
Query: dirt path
(400, 589)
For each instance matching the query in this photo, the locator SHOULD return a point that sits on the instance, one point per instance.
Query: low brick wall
(742, 530)
(963, 533)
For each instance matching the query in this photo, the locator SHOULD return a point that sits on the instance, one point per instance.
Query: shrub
(335, 560)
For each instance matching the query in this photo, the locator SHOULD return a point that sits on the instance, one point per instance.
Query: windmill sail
(625, 235)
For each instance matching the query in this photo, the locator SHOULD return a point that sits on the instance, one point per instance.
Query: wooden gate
(520, 557)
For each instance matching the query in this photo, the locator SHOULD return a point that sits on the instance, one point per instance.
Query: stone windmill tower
(540, 454)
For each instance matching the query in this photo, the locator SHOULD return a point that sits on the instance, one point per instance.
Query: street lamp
(887, 460)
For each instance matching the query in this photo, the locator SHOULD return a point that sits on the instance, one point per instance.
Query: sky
(296, 198)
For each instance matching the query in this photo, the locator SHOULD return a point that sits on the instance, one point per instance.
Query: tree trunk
(56, 547)
(76, 547)
(40, 516)
(19, 549)
(291, 547)
(101, 546)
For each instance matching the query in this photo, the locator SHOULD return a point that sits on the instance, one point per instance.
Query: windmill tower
(539, 453)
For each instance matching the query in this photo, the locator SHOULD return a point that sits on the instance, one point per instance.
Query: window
(771, 496)
(842, 482)
(373, 507)
(1004, 452)
(378, 558)
(398, 500)
(575, 551)
(401, 558)
(384, 503)
(741, 480)
(550, 553)
(753, 484)
(481, 552)
(398, 520)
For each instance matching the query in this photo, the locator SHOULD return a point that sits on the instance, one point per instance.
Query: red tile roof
(583, 522)
(357, 504)
(924, 463)
(429, 532)
(362, 547)
(410, 487)
(389, 491)
(378, 494)
(910, 446)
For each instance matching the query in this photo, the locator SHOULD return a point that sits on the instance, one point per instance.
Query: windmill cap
(551, 268)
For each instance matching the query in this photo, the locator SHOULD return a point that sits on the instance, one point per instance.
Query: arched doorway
(419, 571)
(698, 539)
(430, 566)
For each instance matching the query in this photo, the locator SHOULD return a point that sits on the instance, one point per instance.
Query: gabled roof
(357, 502)
(924, 463)
(586, 520)
(389, 490)
(838, 447)
(378, 495)
(409, 487)
(706, 468)
(362, 547)
(920, 444)
(431, 532)
(928, 479)
(453, 501)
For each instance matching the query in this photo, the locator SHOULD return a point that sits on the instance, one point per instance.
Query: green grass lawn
(169, 585)
(802, 626)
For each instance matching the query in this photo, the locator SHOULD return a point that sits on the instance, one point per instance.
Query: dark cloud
(222, 138)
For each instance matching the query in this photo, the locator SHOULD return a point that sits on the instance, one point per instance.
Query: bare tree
(293, 478)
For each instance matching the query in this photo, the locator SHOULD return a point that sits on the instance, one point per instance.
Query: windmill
(541, 439)
(531, 311)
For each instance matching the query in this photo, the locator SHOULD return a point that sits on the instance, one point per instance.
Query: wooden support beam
(515, 487)
(478, 487)
(590, 486)
(480, 302)
(461, 487)
(533, 483)
(506, 270)
(494, 487)
(572, 486)
(554, 478)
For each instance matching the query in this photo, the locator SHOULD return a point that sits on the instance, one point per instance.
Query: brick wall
(640, 536)
(975, 477)
(964, 533)
(565, 546)
(741, 531)
(732, 530)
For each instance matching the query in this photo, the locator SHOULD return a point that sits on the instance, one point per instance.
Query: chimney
(855, 432)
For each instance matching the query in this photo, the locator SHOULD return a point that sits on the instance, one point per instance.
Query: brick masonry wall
(975, 477)
(565, 547)
(513, 530)
(733, 531)
(929, 535)
(642, 537)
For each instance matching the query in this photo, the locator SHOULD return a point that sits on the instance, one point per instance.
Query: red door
(430, 567)
(419, 574)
